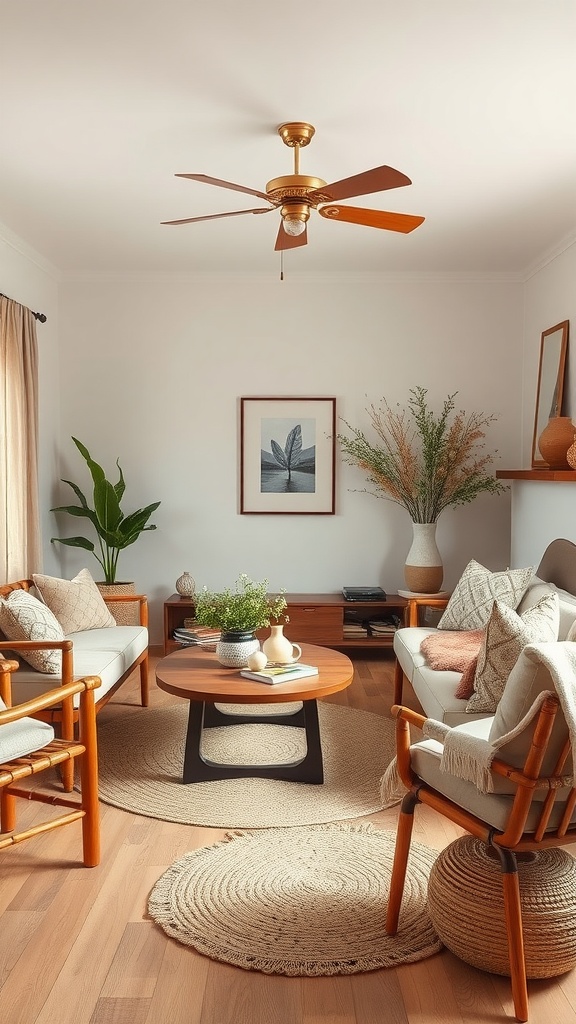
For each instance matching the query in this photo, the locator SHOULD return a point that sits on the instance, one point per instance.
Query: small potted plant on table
(238, 613)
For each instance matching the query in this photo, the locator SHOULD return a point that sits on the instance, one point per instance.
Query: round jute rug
(301, 901)
(141, 757)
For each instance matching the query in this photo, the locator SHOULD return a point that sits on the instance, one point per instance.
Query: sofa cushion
(506, 634)
(77, 603)
(24, 617)
(471, 603)
(22, 737)
(107, 653)
(537, 589)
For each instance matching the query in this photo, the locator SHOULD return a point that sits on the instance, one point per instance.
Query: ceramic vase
(279, 649)
(555, 440)
(235, 647)
(571, 454)
(423, 570)
(185, 585)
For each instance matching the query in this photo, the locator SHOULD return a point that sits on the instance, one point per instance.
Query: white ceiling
(102, 102)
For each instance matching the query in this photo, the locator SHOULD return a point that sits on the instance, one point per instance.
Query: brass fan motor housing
(295, 186)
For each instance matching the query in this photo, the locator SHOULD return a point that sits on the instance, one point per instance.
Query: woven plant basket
(466, 907)
(125, 614)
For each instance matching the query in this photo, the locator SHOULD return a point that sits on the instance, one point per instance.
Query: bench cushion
(106, 652)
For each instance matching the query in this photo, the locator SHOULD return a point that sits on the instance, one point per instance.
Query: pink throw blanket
(455, 651)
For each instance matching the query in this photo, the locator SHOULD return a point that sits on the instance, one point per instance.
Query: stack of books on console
(354, 628)
(384, 627)
(197, 635)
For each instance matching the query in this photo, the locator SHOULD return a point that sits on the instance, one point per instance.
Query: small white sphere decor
(257, 661)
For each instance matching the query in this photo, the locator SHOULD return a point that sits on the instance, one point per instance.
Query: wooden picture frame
(550, 387)
(287, 456)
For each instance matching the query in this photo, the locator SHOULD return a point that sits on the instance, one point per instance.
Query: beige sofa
(434, 689)
(111, 652)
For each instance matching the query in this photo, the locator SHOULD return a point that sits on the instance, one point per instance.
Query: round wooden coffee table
(194, 674)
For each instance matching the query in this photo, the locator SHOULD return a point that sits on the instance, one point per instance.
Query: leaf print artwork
(288, 456)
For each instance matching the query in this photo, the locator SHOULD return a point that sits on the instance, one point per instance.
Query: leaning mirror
(549, 392)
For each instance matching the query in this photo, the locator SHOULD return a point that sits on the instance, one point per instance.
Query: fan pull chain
(281, 264)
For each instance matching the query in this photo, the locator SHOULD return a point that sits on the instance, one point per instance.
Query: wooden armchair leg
(513, 916)
(398, 682)
(89, 783)
(402, 849)
(7, 812)
(144, 684)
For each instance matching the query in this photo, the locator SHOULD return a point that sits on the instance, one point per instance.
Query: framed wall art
(550, 387)
(287, 456)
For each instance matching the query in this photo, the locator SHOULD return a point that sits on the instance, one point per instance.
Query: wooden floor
(77, 947)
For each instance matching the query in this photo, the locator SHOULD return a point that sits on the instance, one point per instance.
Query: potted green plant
(238, 613)
(115, 531)
(426, 463)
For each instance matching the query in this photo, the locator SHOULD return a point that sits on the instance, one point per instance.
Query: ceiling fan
(297, 194)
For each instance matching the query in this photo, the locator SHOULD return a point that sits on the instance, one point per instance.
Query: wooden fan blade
(284, 241)
(218, 216)
(404, 222)
(226, 184)
(379, 179)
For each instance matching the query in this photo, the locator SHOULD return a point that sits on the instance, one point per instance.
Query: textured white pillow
(506, 634)
(77, 603)
(24, 617)
(470, 606)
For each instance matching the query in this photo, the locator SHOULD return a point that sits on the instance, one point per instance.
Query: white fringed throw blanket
(469, 758)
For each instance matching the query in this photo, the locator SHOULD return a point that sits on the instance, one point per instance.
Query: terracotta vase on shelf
(423, 570)
(555, 440)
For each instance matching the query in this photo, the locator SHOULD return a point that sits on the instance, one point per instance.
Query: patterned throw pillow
(24, 617)
(470, 606)
(77, 603)
(506, 634)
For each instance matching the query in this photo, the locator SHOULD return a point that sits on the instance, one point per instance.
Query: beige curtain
(20, 550)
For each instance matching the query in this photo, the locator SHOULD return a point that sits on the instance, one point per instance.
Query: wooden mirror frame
(550, 388)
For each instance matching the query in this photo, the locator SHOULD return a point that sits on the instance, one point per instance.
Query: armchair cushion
(471, 602)
(506, 634)
(22, 737)
(24, 617)
(77, 603)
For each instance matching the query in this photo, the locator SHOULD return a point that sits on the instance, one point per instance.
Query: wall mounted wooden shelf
(560, 475)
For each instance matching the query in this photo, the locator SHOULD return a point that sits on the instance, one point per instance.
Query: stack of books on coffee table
(197, 635)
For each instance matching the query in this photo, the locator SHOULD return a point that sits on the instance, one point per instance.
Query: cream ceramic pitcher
(278, 648)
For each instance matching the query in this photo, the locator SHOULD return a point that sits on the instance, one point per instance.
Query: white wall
(29, 279)
(152, 372)
(543, 510)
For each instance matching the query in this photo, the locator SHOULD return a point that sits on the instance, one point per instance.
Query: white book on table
(281, 673)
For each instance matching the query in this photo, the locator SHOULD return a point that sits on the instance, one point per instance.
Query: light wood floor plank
(77, 946)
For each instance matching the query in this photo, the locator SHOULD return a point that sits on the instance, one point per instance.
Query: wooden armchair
(530, 803)
(28, 746)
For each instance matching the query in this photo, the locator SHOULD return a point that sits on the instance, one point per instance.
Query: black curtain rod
(39, 316)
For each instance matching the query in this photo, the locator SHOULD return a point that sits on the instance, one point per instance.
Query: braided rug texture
(298, 901)
(141, 757)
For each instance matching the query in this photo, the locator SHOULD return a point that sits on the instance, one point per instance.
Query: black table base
(206, 715)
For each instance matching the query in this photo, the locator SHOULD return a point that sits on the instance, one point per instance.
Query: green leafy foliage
(421, 461)
(246, 607)
(114, 530)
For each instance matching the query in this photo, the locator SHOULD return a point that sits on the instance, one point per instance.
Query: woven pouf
(466, 907)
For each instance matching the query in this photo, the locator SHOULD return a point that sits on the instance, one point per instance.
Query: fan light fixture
(294, 217)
